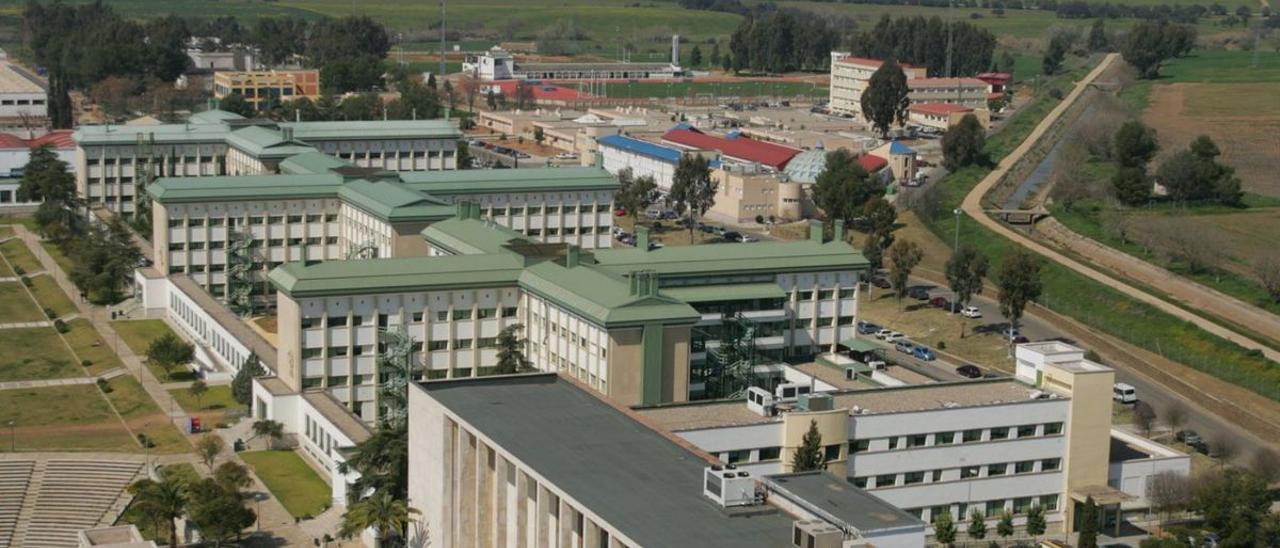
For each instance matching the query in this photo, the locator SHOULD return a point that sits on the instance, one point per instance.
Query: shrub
(1056, 94)
(86, 363)
(51, 314)
(759, 219)
(19, 270)
(61, 326)
(26, 281)
(104, 386)
(942, 345)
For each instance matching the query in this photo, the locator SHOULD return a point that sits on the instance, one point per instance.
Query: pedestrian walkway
(70, 381)
(25, 325)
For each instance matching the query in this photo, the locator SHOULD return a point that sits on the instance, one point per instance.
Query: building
(15, 152)
(943, 115)
(808, 165)
(265, 88)
(986, 445)
(900, 158)
(520, 123)
(999, 81)
(638, 325)
(969, 92)
(643, 158)
(498, 64)
(745, 192)
(111, 160)
(732, 147)
(849, 77)
(23, 97)
(536, 460)
(221, 59)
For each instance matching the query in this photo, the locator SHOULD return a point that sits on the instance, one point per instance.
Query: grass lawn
(63, 261)
(62, 418)
(291, 480)
(16, 305)
(19, 256)
(50, 295)
(929, 326)
(213, 404)
(145, 417)
(88, 345)
(6, 231)
(138, 334)
(1221, 67)
(5, 271)
(35, 354)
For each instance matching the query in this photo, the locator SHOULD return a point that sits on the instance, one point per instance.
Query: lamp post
(956, 246)
(12, 443)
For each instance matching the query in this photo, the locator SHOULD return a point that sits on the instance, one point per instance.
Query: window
(275, 219)
(417, 317)
(999, 433)
(1024, 467)
(308, 353)
(357, 320)
(937, 511)
(337, 321)
(1049, 502)
(308, 323)
(971, 436)
(175, 223)
(886, 480)
(858, 446)
(437, 345)
(337, 351)
(969, 472)
(937, 475)
(1021, 505)
(1053, 429)
(847, 293)
(462, 344)
(255, 220)
(295, 218)
(944, 438)
(919, 440)
(331, 218)
(195, 222)
(860, 483)
(1049, 465)
(1026, 431)
(487, 342)
(831, 452)
(486, 313)
(893, 443)
(463, 314)
(912, 478)
(508, 312)
(770, 453)
(442, 316)
(995, 507)
(997, 469)
(734, 457)
(806, 296)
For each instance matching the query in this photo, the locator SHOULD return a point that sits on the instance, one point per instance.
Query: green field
(63, 418)
(63, 261)
(1222, 66)
(35, 354)
(212, 405)
(16, 305)
(50, 295)
(291, 480)
(19, 256)
(138, 334)
(143, 416)
(88, 345)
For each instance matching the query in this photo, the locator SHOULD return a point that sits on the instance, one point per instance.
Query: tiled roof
(58, 139)
(741, 148)
(872, 163)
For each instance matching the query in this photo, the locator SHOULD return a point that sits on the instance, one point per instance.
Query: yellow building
(744, 192)
(261, 88)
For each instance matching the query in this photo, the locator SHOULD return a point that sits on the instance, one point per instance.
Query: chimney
(635, 282)
(837, 231)
(571, 256)
(815, 230)
(642, 238)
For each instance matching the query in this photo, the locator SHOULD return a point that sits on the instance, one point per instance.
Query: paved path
(25, 325)
(973, 207)
(1190, 293)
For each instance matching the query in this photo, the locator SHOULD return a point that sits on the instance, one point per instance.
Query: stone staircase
(67, 495)
(15, 479)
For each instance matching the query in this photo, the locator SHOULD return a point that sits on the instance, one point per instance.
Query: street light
(12, 444)
(955, 247)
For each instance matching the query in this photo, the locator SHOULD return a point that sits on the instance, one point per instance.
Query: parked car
(938, 302)
(668, 215)
(1009, 333)
(731, 236)
(969, 371)
(566, 156)
(894, 337)
(971, 312)
(706, 228)
(923, 353)
(1188, 437)
(880, 282)
(867, 328)
(1124, 393)
(619, 212)
(883, 332)
(905, 347)
(746, 238)
(918, 293)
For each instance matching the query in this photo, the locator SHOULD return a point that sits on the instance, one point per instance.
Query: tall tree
(382, 512)
(1152, 41)
(964, 145)
(809, 455)
(1035, 522)
(162, 501)
(511, 357)
(242, 383)
(843, 187)
(1135, 144)
(383, 463)
(1098, 40)
(48, 179)
(965, 271)
(1089, 519)
(1054, 53)
(1019, 283)
(1234, 503)
(1004, 527)
(197, 390)
(903, 256)
(635, 194)
(235, 103)
(977, 525)
(1131, 186)
(168, 351)
(218, 508)
(269, 429)
(885, 100)
(695, 56)
(208, 447)
(693, 191)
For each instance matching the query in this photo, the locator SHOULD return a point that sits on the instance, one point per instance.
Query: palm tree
(164, 500)
(270, 429)
(382, 512)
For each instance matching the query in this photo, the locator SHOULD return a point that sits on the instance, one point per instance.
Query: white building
(23, 99)
(850, 76)
(619, 152)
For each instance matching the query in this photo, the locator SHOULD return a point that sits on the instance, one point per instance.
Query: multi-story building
(23, 99)
(745, 192)
(968, 92)
(732, 147)
(1043, 438)
(265, 88)
(111, 161)
(619, 152)
(321, 208)
(639, 325)
(498, 64)
(536, 460)
(851, 75)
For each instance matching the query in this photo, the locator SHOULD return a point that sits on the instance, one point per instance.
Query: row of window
(826, 294)
(385, 320)
(965, 436)
(516, 211)
(966, 472)
(196, 222)
(990, 509)
(568, 231)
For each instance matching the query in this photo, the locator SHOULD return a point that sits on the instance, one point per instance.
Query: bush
(48, 312)
(222, 425)
(86, 363)
(942, 345)
(104, 386)
(19, 270)
(759, 219)
(1056, 94)
(61, 326)
(26, 281)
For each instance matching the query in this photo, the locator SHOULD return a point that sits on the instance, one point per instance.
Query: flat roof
(900, 399)
(637, 480)
(337, 414)
(706, 259)
(480, 181)
(384, 129)
(249, 187)
(396, 275)
(841, 501)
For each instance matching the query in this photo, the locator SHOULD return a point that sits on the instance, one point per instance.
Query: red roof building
(872, 163)
(938, 109)
(997, 80)
(60, 139)
(735, 147)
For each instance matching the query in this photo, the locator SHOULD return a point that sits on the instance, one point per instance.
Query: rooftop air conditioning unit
(816, 534)
(761, 402)
(790, 391)
(850, 373)
(815, 402)
(729, 486)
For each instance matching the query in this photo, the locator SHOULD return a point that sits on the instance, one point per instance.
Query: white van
(1124, 393)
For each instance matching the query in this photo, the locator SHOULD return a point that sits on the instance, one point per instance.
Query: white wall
(616, 159)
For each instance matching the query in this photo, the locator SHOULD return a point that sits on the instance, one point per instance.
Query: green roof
(265, 142)
(725, 292)
(311, 162)
(737, 258)
(169, 190)
(469, 236)
(476, 181)
(396, 275)
(599, 297)
(115, 134)
(385, 129)
(392, 202)
(214, 116)
(859, 345)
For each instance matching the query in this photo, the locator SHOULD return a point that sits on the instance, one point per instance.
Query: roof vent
(730, 488)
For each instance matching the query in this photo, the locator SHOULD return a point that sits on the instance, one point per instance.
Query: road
(972, 207)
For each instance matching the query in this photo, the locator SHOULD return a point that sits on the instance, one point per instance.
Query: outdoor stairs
(67, 495)
(15, 481)
(28, 503)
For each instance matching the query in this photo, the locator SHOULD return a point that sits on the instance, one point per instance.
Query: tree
(48, 179)
(695, 56)
(1004, 527)
(1131, 186)
(161, 501)
(538, 134)
(1144, 418)
(450, 95)
(1098, 36)
(885, 100)
(168, 352)
(1175, 415)
(218, 508)
(208, 447)
(1168, 492)
(197, 389)
(523, 94)
(977, 525)
(1019, 283)
(1267, 269)
(944, 529)
(809, 455)
(470, 87)
(693, 191)
(1089, 519)
(242, 383)
(715, 55)
(1135, 144)
(1055, 53)
(965, 271)
(1244, 13)
(382, 512)
(1152, 41)
(904, 255)
(511, 357)
(635, 194)
(922, 42)
(1266, 464)
(236, 104)
(382, 461)
(964, 144)
(269, 429)
(1036, 524)
(843, 187)
(873, 251)
(1234, 503)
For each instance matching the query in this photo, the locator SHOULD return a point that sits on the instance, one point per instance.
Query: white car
(881, 334)
(894, 336)
(971, 312)
(566, 156)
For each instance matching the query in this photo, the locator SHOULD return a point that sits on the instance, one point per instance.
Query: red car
(619, 212)
(938, 302)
